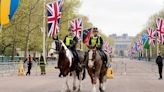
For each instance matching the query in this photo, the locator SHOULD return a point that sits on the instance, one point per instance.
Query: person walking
(29, 64)
(159, 62)
(42, 63)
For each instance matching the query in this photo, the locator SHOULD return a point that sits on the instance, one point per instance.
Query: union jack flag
(151, 36)
(160, 30)
(107, 47)
(54, 14)
(131, 51)
(140, 44)
(77, 26)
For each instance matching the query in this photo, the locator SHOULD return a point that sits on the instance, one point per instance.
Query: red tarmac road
(129, 76)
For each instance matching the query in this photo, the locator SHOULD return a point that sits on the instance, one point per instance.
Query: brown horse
(69, 66)
(96, 69)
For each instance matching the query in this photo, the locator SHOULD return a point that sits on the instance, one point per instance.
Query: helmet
(70, 28)
(95, 29)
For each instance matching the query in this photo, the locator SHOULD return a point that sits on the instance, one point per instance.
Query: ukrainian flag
(7, 10)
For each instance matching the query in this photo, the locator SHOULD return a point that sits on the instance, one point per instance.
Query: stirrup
(108, 65)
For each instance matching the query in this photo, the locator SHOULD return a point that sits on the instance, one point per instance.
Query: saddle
(103, 56)
(76, 59)
(75, 55)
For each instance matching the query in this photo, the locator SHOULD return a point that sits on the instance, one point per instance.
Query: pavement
(129, 76)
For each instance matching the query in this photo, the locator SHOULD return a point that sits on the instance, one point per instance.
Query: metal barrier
(11, 68)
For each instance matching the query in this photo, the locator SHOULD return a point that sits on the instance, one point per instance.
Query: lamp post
(43, 29)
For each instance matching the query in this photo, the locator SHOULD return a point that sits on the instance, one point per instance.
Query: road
(129, 76)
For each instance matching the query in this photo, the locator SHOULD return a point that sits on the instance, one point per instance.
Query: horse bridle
(93, 57)
(60, 45)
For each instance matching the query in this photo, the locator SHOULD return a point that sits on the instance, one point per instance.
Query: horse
(96, 68)
(68, 66)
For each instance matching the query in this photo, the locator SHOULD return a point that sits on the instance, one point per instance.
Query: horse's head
(91, 56)
(55, 47)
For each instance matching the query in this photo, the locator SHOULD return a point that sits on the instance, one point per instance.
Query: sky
(120, 16)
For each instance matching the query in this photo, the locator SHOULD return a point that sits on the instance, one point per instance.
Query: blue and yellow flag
(7, 9)
(4, 11)
(13, 7)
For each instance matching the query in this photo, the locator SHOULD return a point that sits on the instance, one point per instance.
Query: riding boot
(102, 56)
(75, 60)
(105, 59)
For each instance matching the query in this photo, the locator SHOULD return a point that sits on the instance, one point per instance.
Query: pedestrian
(29, 64)
(159, 62)
(42, 64)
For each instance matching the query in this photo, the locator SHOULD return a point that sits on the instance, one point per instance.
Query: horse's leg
(80, 80)
(68, 89)
(93, 80)
(102, 81)
(74, 81)
(66, 86)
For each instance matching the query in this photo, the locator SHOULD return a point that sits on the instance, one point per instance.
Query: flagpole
(82, 38)
(142, 52)
(44, 34)
(157, 48)
(0, 27)
(150, 52)
(146, 55)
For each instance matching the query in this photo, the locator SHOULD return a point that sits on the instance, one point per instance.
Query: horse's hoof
(68, 90)
(101, 90)
(78, 90)
(74, 88)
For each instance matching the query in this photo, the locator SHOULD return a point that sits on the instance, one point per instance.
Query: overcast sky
(120, 16)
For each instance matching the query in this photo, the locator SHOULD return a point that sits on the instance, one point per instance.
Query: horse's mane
(68, 52)
(65, 47)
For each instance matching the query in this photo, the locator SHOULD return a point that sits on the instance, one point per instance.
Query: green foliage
(151, 23)
(24, 30)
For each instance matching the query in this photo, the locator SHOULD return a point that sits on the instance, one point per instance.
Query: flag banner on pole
(151, 36)
(5, 12)
(144, 38)
(86, 35)
(131, 50)
(7, 9)
(13, 7)
(54, 11)
(136, 46)
(140, 44)
(0, 14)
(145, 41)
(77, 26)
(146, 45)
(160, 30)
(106, 47)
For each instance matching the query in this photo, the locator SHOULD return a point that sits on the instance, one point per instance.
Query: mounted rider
(71, 42)
(97, 40)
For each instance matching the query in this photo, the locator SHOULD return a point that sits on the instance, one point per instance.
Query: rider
(71, 42)
(98, 41)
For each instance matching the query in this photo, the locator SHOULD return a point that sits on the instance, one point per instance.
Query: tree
(24, 30)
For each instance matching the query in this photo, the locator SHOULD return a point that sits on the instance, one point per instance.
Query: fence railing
(11, 68)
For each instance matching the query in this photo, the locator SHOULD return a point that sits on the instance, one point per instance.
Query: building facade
(121, 44)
